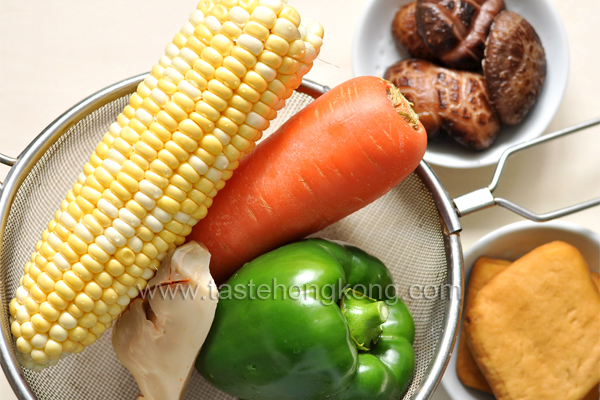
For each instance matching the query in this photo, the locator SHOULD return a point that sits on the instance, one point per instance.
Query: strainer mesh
(402, 228)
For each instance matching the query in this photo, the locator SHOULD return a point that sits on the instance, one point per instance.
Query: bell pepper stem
(364, 317)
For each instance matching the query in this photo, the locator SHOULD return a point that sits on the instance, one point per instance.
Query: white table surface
(55, 53)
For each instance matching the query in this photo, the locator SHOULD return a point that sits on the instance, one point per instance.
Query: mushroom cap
(456, 30)
(514, 66)
(404, 30)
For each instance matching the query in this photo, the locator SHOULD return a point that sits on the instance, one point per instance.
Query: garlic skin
(158, 338)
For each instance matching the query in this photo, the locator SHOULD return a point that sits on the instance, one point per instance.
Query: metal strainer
(414, 229)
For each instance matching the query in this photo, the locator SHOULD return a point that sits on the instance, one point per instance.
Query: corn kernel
(271, 59)
(139, 161)
(99, 328)
(32, 306)
(57, 301)
(151, 106)
(130, 184)
(27, 330)
(156, 179)
(203, 34)
(15, 329)
(166, 120)
(235, 66)
(49, 312)
(175, 193)
(191, 129)
(176, 113)
(115, 309)
(297, 49)
(82, 272)
(187, 143)
(71, 279)
(277, 44)
(231, 152)
(290, 14)
(53, 348)
(225, 76)
(247, 92)
(135, 271)
(141, 122)
(152, 139)
(256, 30)
(100, 307)
(205, 68)
(122, 146)
(168, 158)
(125, 256)
(64, 290)
(261, 109)
(106, 319)
(196, 80)
(184, 102)
(93, 290)
(174, 227)
(168, 204)
(98, 253)
(88, 320)
(200, 213)
(142, 260)
(58, 332)
(215, 101)
(78, 245)
(93, 264)
(104, 279)
(78, 334)
(180, 182)
(24, 346)
(222, 44)
(160, 244)
(207, 111)
(205, 124)
(109, 296)
(204, 185)
(69, 346)
(120, 191)
(234, 115)
(249, 132)
(195, 45)
(40, 323)
(39, 356)
(161, 133)
(176, 150)
(129, 112)
(53, 271)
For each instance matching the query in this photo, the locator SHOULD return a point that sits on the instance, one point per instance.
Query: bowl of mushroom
(483, 75)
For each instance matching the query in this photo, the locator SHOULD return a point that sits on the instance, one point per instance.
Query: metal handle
(8, 161)
(484, 198)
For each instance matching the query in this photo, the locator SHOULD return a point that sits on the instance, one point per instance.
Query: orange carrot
(342, 152)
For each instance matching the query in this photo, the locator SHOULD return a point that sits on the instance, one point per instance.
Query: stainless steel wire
(411, 229)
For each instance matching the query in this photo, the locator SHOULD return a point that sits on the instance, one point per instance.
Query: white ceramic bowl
(510, 243)
(374, 50)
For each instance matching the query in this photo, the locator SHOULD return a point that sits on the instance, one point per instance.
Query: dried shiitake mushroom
(453, 101)
(404, 30)
(514, 66)
(456, 30)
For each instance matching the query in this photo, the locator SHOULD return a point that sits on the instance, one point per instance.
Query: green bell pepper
(296, 323)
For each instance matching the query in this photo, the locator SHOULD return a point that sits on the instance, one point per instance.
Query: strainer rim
(34, 151)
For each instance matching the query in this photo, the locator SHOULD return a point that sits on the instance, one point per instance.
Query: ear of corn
(157, 170)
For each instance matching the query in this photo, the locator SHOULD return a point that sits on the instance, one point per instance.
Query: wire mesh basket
(413, 229)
